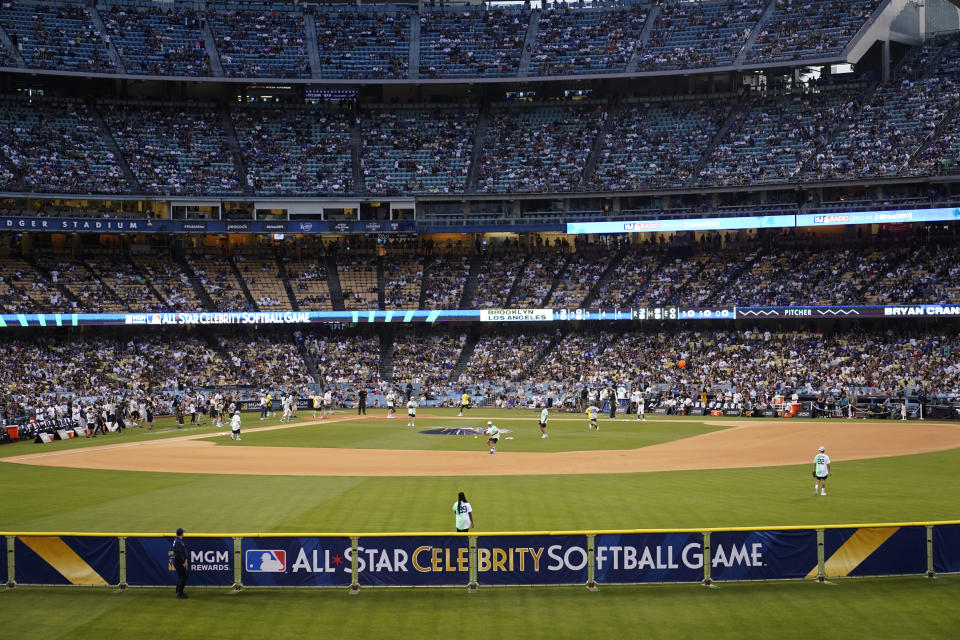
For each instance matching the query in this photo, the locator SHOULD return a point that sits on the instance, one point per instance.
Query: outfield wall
(508, 558)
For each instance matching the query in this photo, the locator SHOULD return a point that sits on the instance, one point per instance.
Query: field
(889, 488)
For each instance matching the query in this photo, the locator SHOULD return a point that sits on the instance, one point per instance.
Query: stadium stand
(216, 275)
(574, 40)
(446, 279)
(403, 280)
(261, 275)
(57, 146)
(656, 144)
(774, 137)
(538, 148)
(689, 35)
(417, 150)
(308, 280)
(260, 42)
(157, 40)
(54, 35)
(295, 150)
(426, 361)
(170, 281)
(345, 360)
(174, 148)
(814, 28)
(367, 42)
(358, 280)
(473, 42)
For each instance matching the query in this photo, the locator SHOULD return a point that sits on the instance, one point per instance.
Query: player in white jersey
(391, 403)
(411, 412)
(543, 423)
(641, 408)
(493, 436)
(821, 471)
(593, 411)
(235, 426)
(317, 402)
(328, 402)
(287, 411)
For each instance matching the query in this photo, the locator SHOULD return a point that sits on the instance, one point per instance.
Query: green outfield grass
(854, 608)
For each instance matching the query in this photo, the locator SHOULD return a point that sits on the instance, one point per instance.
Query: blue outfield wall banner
(762, 555)
(649, 557)
(874, 551)
(532, 559)
(67, 560)
(150, 561)
(415, 561)
(295, 562)
(946, 548)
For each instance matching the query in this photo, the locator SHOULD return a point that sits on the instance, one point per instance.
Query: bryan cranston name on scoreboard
(251, 317)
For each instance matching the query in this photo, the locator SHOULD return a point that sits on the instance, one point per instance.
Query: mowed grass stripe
(905, 488)
(861, 608)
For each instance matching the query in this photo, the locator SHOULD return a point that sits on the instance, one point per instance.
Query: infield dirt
(745, 444)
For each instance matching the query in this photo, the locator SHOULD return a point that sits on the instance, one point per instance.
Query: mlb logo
(266, 560)
(154, 319)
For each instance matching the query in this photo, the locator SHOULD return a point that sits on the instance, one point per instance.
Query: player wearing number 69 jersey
(821, 471)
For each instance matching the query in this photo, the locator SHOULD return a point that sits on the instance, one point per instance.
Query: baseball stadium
(496, 319)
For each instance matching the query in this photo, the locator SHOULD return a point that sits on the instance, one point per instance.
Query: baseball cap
(180, 531)
(822, 449)
(490, 422)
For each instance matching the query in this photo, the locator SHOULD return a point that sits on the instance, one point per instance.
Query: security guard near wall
(180, 563)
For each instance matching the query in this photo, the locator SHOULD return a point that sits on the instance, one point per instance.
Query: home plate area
(459, 431)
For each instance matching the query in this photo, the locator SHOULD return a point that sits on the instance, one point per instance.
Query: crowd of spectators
(572, 40)
(750, 365)
(308, 280)
(502, 359)
(57, 146)
(538, 148)
(474, 42)
(534, 284)
(772, 139)
(359, 280)
(356, 42)
(426, 361)
(158, 40)
(295, 151)
(699, 34)
(174, 149)
(170, 281)
(446, 277)
(496, 278)
(261, 44)
(417, 150)
(218, 279)
(809, 28)
(656, 145)
(403, 278)
(880, 138)
(345, 360)
(56, 36)
(584, 269)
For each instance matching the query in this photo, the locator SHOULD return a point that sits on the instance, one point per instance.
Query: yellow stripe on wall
(64, 559)
(855, 550)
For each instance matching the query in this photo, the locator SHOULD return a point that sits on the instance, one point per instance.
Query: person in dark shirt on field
(180, 563)
(362, 401)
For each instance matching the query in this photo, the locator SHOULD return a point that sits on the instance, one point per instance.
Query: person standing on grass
(493, 436)
(464, 513)
(361, 401)
(180, 563)
(411, 411)
(593, 411)
(235, 426)
(543, 423)
(641, 408)
(391, 403)
(821, 471)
